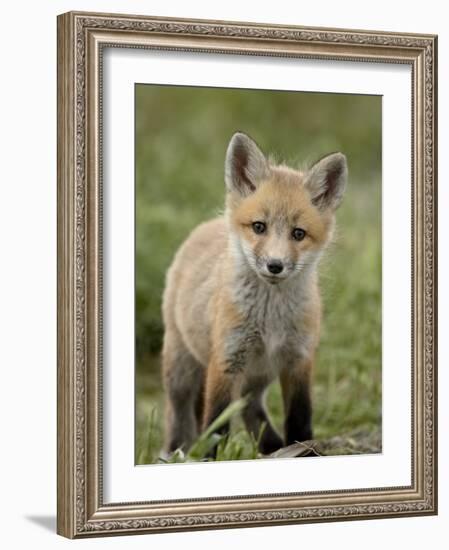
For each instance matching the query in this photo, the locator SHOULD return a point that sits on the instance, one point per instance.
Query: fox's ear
(326, 181)
(245, 166)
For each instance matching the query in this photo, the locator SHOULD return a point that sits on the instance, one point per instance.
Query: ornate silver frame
(81, 39)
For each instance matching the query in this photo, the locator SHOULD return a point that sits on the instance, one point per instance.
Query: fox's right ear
(246, 166)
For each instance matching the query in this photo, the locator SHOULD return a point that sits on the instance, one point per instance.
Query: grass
(181, 136)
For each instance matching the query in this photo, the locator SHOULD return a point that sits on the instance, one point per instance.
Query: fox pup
(242, 304)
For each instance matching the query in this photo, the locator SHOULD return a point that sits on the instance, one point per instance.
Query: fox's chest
(277, 324)
(278, 345)
(277, 337)
(274, 333)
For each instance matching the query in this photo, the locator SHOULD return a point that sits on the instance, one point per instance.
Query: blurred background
(181, 138)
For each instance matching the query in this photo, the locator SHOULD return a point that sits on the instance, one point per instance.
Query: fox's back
(192, 279)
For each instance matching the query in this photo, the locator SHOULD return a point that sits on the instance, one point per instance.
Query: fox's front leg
(256, 418)
(218, 392)
(225, 367)
(296, 392)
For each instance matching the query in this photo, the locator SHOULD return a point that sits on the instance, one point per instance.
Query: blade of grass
(148, 451)
(209, 438)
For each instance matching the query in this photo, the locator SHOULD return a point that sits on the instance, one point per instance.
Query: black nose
(275, 266)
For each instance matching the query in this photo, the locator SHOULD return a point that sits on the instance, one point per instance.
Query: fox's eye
(259, 227)
(298, 234)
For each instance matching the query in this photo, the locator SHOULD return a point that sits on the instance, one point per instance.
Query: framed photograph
(246, 274)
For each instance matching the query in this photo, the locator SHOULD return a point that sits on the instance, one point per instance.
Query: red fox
(242, 305)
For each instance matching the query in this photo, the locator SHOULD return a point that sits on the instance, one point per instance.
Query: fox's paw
(270, 442)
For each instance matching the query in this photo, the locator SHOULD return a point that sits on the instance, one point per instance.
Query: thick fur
(231, 325)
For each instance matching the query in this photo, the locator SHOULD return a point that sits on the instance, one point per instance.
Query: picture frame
(82, 40)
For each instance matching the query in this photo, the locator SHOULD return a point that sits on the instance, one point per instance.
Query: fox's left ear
(326, 181)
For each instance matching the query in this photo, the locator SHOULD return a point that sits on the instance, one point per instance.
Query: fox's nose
(275, 266)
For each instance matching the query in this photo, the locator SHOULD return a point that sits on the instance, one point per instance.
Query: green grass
(181, 137)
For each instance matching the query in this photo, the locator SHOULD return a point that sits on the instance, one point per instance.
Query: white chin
(271, 280)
